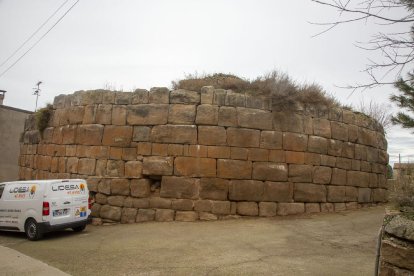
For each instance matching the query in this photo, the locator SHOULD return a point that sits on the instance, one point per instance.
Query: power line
(30, 37)
(14, 63)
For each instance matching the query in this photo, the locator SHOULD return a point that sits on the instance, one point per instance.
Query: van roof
(43, 181)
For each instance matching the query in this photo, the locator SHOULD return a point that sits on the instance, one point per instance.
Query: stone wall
(182, 155)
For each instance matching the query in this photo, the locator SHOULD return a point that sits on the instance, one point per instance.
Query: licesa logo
(82, 188)
(32, 191)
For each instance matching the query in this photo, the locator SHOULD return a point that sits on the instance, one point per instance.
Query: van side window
(1, 189)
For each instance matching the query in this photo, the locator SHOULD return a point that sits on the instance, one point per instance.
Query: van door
(66, 201)
(17, 201)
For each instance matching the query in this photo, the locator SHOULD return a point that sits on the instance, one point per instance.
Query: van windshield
(1, 189)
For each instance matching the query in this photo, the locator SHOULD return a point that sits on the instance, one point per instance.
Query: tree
(404, 100)
(397, 48)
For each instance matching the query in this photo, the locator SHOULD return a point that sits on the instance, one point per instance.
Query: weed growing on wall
(43, 116)
(283, 90)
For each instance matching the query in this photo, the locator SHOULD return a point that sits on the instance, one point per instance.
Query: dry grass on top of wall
(283, 91)
(401, 193)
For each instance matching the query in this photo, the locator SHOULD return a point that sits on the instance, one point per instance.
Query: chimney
(2, 94)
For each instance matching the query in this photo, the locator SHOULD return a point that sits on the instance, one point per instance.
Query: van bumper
(46, 227)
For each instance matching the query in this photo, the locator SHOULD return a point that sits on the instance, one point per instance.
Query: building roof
(16, 109)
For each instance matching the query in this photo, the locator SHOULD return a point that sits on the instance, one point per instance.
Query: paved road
(323, 244)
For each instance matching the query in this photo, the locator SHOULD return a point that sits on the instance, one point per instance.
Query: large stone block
(104, 114)
(318, 144)
(207, 114)
(218, 152)
(305, 192)
(247, 209)
(86, 166)
(258, 154)
(367, 137)
(339, 177)
(214, 188)
(364, 195)
(312, 207)
(267, 209)
(118, 136)
(348, 150)
(234, 169)
(174, 134)
(133, 169)
(372, 155)
(336, 193)
(379, 195)
(110, 212)
(89, 134)
(339, 131)
(334, 147)
(120, 187)
(227, 116)
(164, 215)
(278, 191)
(184, 96)
(322, 127)
(195, 167)
(203, 205)
(147, 114)
(182, 204)
(212, 135)
(220, 207)
(351, 194)
(288, 121)
(358, 179)
(295, 141)
(123, 98)
(242, 137)
(294, 157)
(158, 202)
(181, 114)
(322, 175)
(179, 187)
(155, 165)
(186, 216)
(159, 95)
(271, 140)
(284, 209)
(344, 163)
(254, 118)
(145, 215)
(207, 94)
(235, 99)
(300, 173)
(140, 187)
(250, 190)
(128, 215)
(68, 134)
(270, 171)
(140, 96)
(115, 168)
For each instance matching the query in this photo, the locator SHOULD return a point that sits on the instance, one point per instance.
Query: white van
(39, 206)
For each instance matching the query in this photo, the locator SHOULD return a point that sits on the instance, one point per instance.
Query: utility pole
(37, 92)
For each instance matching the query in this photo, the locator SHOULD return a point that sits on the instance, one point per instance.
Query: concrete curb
(13, 262)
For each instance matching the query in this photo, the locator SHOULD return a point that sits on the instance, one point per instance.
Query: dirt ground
(323, 244)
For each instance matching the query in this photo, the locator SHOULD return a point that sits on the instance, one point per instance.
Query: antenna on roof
(37, 92)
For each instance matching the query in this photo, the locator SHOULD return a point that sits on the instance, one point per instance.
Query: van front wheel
(32, 230)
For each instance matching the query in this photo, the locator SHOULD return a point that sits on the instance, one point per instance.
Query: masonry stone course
(183, 155)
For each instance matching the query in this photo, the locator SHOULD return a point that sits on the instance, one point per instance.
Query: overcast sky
(141, 44)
